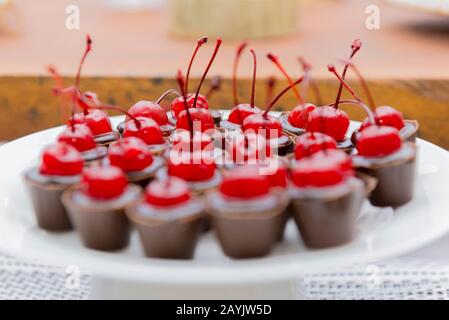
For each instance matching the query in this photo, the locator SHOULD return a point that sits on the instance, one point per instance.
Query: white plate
(413, 225)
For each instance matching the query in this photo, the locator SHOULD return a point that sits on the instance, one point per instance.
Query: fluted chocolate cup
(102, 225)
(92, 156)
(327, 218)
(46, 195)
(409, 132)
(283, 145)
(288, 127)
(107, 138)
(168, 234)
(395, 176)
(249, 230)
(143, 177)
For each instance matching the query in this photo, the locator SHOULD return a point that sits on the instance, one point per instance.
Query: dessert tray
(210, 274)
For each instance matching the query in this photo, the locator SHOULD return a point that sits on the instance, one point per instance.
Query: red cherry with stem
(244, 147)
(299, 116)
(191, 166)
(79, 136)
(103, 182)
(238, 54)
(355, 47)
(188, 117)
(322, 169)
(244, 183)
(277, 63)
(328, 120)
(339, 157)
(130, 154)
(147, 130)
(199, 43)
(181, 140)
(97, 121)
(61, 159)
(149, 109)
(201, 120)
(276, 172)
(178, 104)
(166, 193)
(378, 141)
(311, 143)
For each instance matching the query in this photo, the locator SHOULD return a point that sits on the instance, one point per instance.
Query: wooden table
(134, 57)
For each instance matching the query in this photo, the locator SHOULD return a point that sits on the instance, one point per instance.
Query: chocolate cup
(409, 132)
(166, 129)
(286, 213)
(48, 208)
(91, 156)
(216, 115)
(247, 234)
(328, 222)
(283, 148)
(101, 226)
(168, 238)
(395, 181)
(346, 145)
(288, 127)
(107, 138)
(229, 126)
(145, 176)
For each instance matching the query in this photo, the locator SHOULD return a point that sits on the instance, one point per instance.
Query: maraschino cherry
(240, 111)
(146, 129)
(79, 136)
(313, 142)
(378, 141)
(191, 166)
(166, 193)
(103, 182)
(61, 159)
(243, 148)
(236, 183)
(322, 169)
(130, 154)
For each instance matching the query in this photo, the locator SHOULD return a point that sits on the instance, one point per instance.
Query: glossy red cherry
(310, 143)
(329, 120)
(245, 183)
(240, 112)
(61, 159)
(165, 193)
(268, 126)
(386, 116)
(378, 141)
(299, 115)
(148, 130)
(191, 166)
(79, 136)
(149, 109)
(241, 148)
(201, 118)
(276, 172)
(130, 154)
(178, 106)
(103, 182)
(97, 121)
(182, 141)
(320, 170)
(339, 157)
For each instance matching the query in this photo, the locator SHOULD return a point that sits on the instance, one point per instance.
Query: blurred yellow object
(233, 19)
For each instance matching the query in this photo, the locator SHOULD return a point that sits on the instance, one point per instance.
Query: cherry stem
(355, 47)
(119, 109)
(270, 84)
(181, 82)
(215, 85)
(275, 60)
(363, 83)
(253, 85)
(166, 93)
(238, 54)
(59, 90)
(332, 69)
(83, 58)
(265, 114)
(367, 109)
(217, 46)
(307, 67)
(199, 43)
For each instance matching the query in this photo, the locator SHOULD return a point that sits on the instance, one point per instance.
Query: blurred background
(139, 45)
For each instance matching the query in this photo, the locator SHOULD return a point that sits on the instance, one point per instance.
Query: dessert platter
(194, 203)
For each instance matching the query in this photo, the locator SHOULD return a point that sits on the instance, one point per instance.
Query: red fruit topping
(339, 157)
(97, 121)
(61, 159)
(191, 166)
(103, 182)
(170, 192)
(201, 118)
(178, 105)
(78, 136)
(328, 120)
(149, 131)
(321, 169)
(298, 117)
(130, 154)
(239, 113)
(182, 141)
(386, 116)
(276, 172)
(268, 126)
(310, 143)
(251, 146)
(149, 109)
(376, 141)
(245, 183)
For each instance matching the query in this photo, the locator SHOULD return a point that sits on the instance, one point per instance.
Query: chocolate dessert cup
(216, 115)
(395, 176)
(283, 145)
(94, 155)
(46, 192)
(346, 145)
(410, 131)
(247, 228)
(170, 233)
(143, 177)
(288, 127)
(167, 129)
(326, 216)
(106, 138)
(102, 225)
